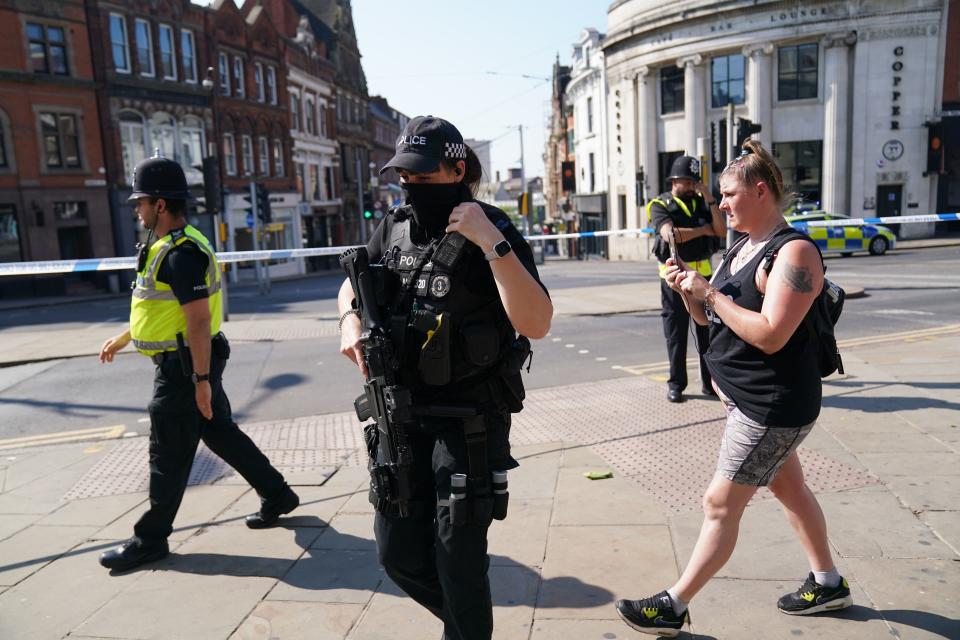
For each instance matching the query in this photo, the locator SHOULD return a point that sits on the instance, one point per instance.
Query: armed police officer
(690, 214)
(430, 314)
(175, 321)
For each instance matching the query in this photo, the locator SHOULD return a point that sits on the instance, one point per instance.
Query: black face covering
(432, 203)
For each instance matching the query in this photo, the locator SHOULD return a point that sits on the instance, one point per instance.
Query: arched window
(192, 145)
(310, 114)
(163, 135)
(132, 142)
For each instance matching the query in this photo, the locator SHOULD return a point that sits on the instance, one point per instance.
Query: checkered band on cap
(456, 150)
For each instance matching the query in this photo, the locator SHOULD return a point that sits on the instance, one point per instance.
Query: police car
(844, 239)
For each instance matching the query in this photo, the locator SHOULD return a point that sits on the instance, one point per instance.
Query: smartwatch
(200, 377)
(499, 250)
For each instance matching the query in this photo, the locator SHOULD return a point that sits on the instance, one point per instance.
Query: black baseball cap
(424, 142)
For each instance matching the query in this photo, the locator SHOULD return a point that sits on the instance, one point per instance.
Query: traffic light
(263, 205)
(718, 145)
(523, 203)
(745, 129)
(568, 176)
(211, 185)
(367, 206)
(934, 147)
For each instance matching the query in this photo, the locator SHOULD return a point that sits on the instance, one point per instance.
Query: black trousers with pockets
(676, 328)
(176, 428)
(441, 566)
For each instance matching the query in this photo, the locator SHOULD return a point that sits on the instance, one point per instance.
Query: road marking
(902, 312)
(582, 351)
(902, 336)
(62, 437)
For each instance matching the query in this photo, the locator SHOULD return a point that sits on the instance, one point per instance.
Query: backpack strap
(781, 238)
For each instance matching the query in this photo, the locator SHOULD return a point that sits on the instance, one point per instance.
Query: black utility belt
(219, 348)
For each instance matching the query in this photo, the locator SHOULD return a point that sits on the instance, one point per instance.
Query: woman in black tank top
(763, 363)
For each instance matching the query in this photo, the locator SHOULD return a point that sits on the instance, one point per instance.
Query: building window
(590, 116)
(671, 89)
(797, 72)
(322, 118)
(132, 143)
(272, 84)
(163, 135)
(622, 211)
(61, 141)
(144, 48)
(593, 181)
(191, 142)
(278, 158)
(168, 59)
(118, 43)
(229, 154)
(48, 49)
(70, 211)
(726, 80)
(224, 66)
(295, 112)
(309, 113)
(263, 149)
(189, 55)
(314, 186)
(801, 164)
(664, 163)
(4, 158)
(9, 234)
(331, 183)
(238, 83)
(258, 81)
(246, 145)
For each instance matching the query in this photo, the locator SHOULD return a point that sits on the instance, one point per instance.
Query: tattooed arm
(794, 282)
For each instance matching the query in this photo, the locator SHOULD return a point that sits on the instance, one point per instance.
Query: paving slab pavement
(883, 461)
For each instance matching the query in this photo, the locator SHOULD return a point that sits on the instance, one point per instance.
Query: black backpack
(825, 311)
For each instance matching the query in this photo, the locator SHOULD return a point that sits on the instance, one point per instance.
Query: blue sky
(436, 57)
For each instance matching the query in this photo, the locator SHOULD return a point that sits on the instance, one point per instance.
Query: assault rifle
(388, 403)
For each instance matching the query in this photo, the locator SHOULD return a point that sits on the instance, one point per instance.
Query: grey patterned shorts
(751, 453)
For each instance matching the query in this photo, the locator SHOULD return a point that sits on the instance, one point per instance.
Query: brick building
(52, 200)
(332, 22)
(386, 124)
(250, 102)
(149, 60)
(316, 153)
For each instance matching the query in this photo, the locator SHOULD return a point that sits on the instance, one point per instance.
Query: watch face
(502, 248)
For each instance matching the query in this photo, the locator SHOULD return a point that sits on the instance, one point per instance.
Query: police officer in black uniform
(492, 293)
(175, 320)
(690, 213)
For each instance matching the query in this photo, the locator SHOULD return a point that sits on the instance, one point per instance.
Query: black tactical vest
(430, 299)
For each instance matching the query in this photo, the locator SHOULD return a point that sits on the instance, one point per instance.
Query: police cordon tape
(117, 264)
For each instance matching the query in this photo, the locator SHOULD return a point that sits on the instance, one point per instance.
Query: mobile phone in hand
(673, 247)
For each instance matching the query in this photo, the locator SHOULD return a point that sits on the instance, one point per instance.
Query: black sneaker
(815, 598)
(654, 615)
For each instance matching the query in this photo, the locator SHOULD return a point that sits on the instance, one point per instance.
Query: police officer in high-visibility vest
(690, 213)
(175, 321)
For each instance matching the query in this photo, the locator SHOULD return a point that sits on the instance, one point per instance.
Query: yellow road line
(62, 437)
(901, 336)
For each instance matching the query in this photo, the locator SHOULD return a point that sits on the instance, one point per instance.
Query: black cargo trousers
(441, 566)
(176, 428)
(676, 328)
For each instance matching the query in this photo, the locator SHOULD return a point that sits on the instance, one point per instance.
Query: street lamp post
(215, 209)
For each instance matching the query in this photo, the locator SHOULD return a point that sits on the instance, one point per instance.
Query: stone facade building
(842, 91)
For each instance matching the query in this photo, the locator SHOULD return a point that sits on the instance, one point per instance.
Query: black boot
(271, 510)
(133, 553)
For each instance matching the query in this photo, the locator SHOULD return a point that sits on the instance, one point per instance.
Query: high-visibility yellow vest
(155, 314)
(703, 267)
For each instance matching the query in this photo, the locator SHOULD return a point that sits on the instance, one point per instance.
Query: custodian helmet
(158, 177)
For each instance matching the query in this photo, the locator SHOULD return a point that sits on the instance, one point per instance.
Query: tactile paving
(670, 450)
